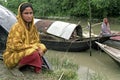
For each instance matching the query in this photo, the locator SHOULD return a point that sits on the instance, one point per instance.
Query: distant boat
(112, 52)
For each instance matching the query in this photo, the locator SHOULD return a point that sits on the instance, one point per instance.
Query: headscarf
(21, 21)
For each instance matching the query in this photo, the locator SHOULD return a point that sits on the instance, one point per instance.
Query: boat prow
(111, 51)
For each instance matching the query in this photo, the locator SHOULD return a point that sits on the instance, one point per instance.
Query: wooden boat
(114, 41)
(76, 42)
(113, 52)
(72, 45)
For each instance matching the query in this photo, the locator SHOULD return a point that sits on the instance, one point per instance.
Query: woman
(23, 46)
(105, 28)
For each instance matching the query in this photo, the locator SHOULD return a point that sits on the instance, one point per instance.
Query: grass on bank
(65, 69)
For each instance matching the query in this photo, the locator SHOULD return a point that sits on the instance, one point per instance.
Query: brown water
(99, 62)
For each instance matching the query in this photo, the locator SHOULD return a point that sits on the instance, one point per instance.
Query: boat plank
(113, 52)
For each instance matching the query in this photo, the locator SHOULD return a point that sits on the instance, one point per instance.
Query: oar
(45, 62)
(92, 26)
(112, 35)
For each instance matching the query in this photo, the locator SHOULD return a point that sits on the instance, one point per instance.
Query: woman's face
(27, 14)
(105, 20)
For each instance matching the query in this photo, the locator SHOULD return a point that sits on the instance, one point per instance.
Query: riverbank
(64, 68)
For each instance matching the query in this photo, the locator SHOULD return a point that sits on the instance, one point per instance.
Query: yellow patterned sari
(21, 42)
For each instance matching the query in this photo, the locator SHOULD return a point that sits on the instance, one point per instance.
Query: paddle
(91, 26)
(45, 62)
(112, 35)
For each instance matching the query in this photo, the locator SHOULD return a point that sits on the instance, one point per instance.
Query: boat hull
(67, 46)
(113, 43)
(73, 46)
(100, 40)
(112, 52)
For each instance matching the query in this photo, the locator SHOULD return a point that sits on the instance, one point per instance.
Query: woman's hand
(41, 52)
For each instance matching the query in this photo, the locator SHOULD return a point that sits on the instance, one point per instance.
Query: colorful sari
(21, 42)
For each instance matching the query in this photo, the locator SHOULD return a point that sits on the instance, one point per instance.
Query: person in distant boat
(105, 28)
(23, 47)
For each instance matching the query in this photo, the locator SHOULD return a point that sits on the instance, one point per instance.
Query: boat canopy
(7, 18)
(64, 30)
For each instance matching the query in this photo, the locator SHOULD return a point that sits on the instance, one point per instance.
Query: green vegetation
(69, 8)
(63, 69)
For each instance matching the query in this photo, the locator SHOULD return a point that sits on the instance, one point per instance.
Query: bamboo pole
(90, 27)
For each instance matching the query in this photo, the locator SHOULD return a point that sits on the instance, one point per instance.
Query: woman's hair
(25, 5)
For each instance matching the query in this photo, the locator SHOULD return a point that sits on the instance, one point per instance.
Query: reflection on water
(99, 62)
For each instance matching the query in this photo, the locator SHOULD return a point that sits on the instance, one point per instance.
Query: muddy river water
(99, 62)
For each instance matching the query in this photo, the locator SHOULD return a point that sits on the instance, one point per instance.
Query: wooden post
(90, 27)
